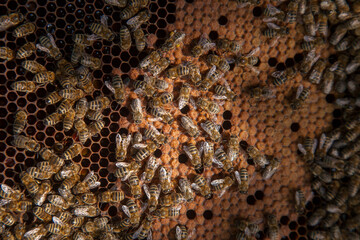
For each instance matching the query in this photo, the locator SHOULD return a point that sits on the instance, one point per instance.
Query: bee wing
(126, 210)
(93, 37)
(183, 184)
(126, 141)
(195, 187)
(137, 232)
(139, 145)
(4, 201)
(298, 197)
(7, 189)
(146, 190)
(134, 22)
(186, 149)
(193, 103)
(232, 154)
(351, 67)
(32, 232)
(217, 182)
(237, 177)
(274, 41)
(163, 174)
(272, 25)
(309, 38)
(302, 149)
(277, 74)
(103, 20)
(322, 141)
(182, 102)
(41, 48)
(217, 162)
(88, 176)
(211, 71)
(109, 86)
(118, 140)
(149, 236)
(152, 127)
(52, 40)
(257, 72)
(332, 208)
(334, 66)
(178, 233)
(299, 91)
(314, 146)
(254, 52)
(122, 164)
(57, 220)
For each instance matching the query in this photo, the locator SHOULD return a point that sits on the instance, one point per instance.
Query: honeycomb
(269, 124)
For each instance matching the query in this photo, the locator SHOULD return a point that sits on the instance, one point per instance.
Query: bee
(319, 172)
(300, 201)
(44, 77)
(221, 185)
(29, 182)
(19, 206)
(81, 108)
(292, 11)
(48, 45)
(89, 182)
(102, 30)
(95, 127)
(144, 231)
(212, 130)
(128, 12)
(19, 122)
(195, 75)
(69, 119)
(50, 208)
(39, 174)
(76, 54)
(221, 63)
(354, 185)
(244, 3)
(227, 45)
(162, 99)
(153, 134)
(6, 53)
(26, 50)
(161, 114)
(185, 188)
(84, 39)
(150, 60)
(117, 3)
(111, 196)
(202, 186)
(8, 21)
(175, 39)
(342, 6)
(184, 95)
(42, 193)
(145, 150)
(132, 210)
(58, 227)
(125, 38)
(122, 225)
(323, 24)
(271, 168)
(91, 62)
(308, 62)
(125, 169)
(177, 71)
(23, 86)
(328, 81)
(41, 214)
(77, 222)
(145, 87)
(249, 60)
(86, 211)
(159, 66)
(190, 127)
(353, 65)
(273, 231)
(210, 79)
(165, 180)
(312, 43)
(318, 234)
(224, 93)
(19, 231)
(72, 151)
(83, 131)
(309, 22)
(67, 81)
(194, 155)
(150, 169)
(161, 84)
(152, 194)
(7, 192)
(88, 198)
(316, 217)
(136, 109)
(273, 14)
(69, 182)
(53, 119)
(7, 218)
(280, 77)
(94, 115)
(85, 79)
(262, 92)
(167, 212)
(99, 103)
(118, 88)
(202, 46)
(33, 67)
(352, 165)
(26, 142)
(233, 148)
(36, 233)
(122, 144)
(274, 31)
(223, 161)
(301, 95)
(58, 201)
(344, 44)
(257, 156)
(135, 22)
(24, 30)
(343, 60)
(207, 152)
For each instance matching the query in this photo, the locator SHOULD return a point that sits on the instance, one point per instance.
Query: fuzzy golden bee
(23, 86)
(48, 45)
(6, 53)
(24, 30)
(19, 122)
(26, 50)
(202, 46)
(102, 30)
(202, 186)
(301, 95)
(125, 38)
(10, 20)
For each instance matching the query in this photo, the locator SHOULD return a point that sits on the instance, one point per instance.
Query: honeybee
(153, 134)
(292, 11)
(36, 233)
(162, 99)
(194, 155)
(58, 227)
(318, 234)
(58, 201)
(353, 65)
(262, 92)
(145, 150)
(32, 66)
(41, 214)
(19, 231)
(257, 156)
(221, 63)
(69, 182)
(42, 193)
(249, 60)
(323, 25)
(184, 95)
(21, 206)
(122, 144)
(224, 93)
(273, 227)
(167, 212)
(271, 168)
(26, 142)
(316, 73)
(354, 185)
(81, 108)
(135, 22)
(67, 81)
(8, 21)
(312, 43)
(76, 54)
(102, 30)
(86, 211)
(132, 210)
(343, 60)
(301, 95)
(23, 86)
(136, 109)
(144, 231)
(125, 169)
(185, 188)
(207, 152)
(275, 32)
(128, 12)
(202, 186)
(19, 122)
(161, 84)
(111, 196)
(159, 66)
(53, 119)
(210, 79)
(227, 45)
(150, 169)
(24, 30)
(88, 198)
(316, 217)
(89, 182)
(300, 201)
(177, 71)
(273, 14)
(84, 39)
(48, 45)
(175, 39)
(26, 50)
(165, 180)
(72, 151)
(7, 218)
(85, 79)
(117, 87)
(145, 87)
(122, 225)
(308, 62)
(221, 185)
(29, 182)
(99, 103)
(6, 53)
(91, 62)
(280, 77)
(44, 77)
(172, 199)
(125, 38)
(69, 119)
(8, 193)
(319, 172)
(223, 161)
(309, 23)
(39, 174)
(161, 115)
(352, 164)
(190, 127)
(212, 130)
(94, 115)
(117, 3)
(244, 3)
(202, 46)
(195, 75)
(152, 194)
(150, 60)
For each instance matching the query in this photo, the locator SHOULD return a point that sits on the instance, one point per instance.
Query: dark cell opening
(302, 230)
(332, 58)
(298, 57)
(183, 158)
(171, 8)
(227, 115)
(104, 162)
(226, 125)
(285, 238)
(125, 67)
(161, 23)
(337, 113)
(244, 144)
(302, 220)
(302, 238)
(295, 127)
(162, 13)
(280, 67)
(257, 11)
(330, 98)
(112, 211)
(189, 1)
(223, 20)
(185, 109)
(251, 200)
(152, 28)
(191, 214)
(259, 195)
(124, 131)
(293, 235)
(284, 220)
(94, 167)
(289, 62)
(316, 201)
(158, 153)
(95, 158)
(208, 214)
(309, 206)
(336, 123)
(213, 35)
(124, 111)
(292, 225)
(85, 162)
